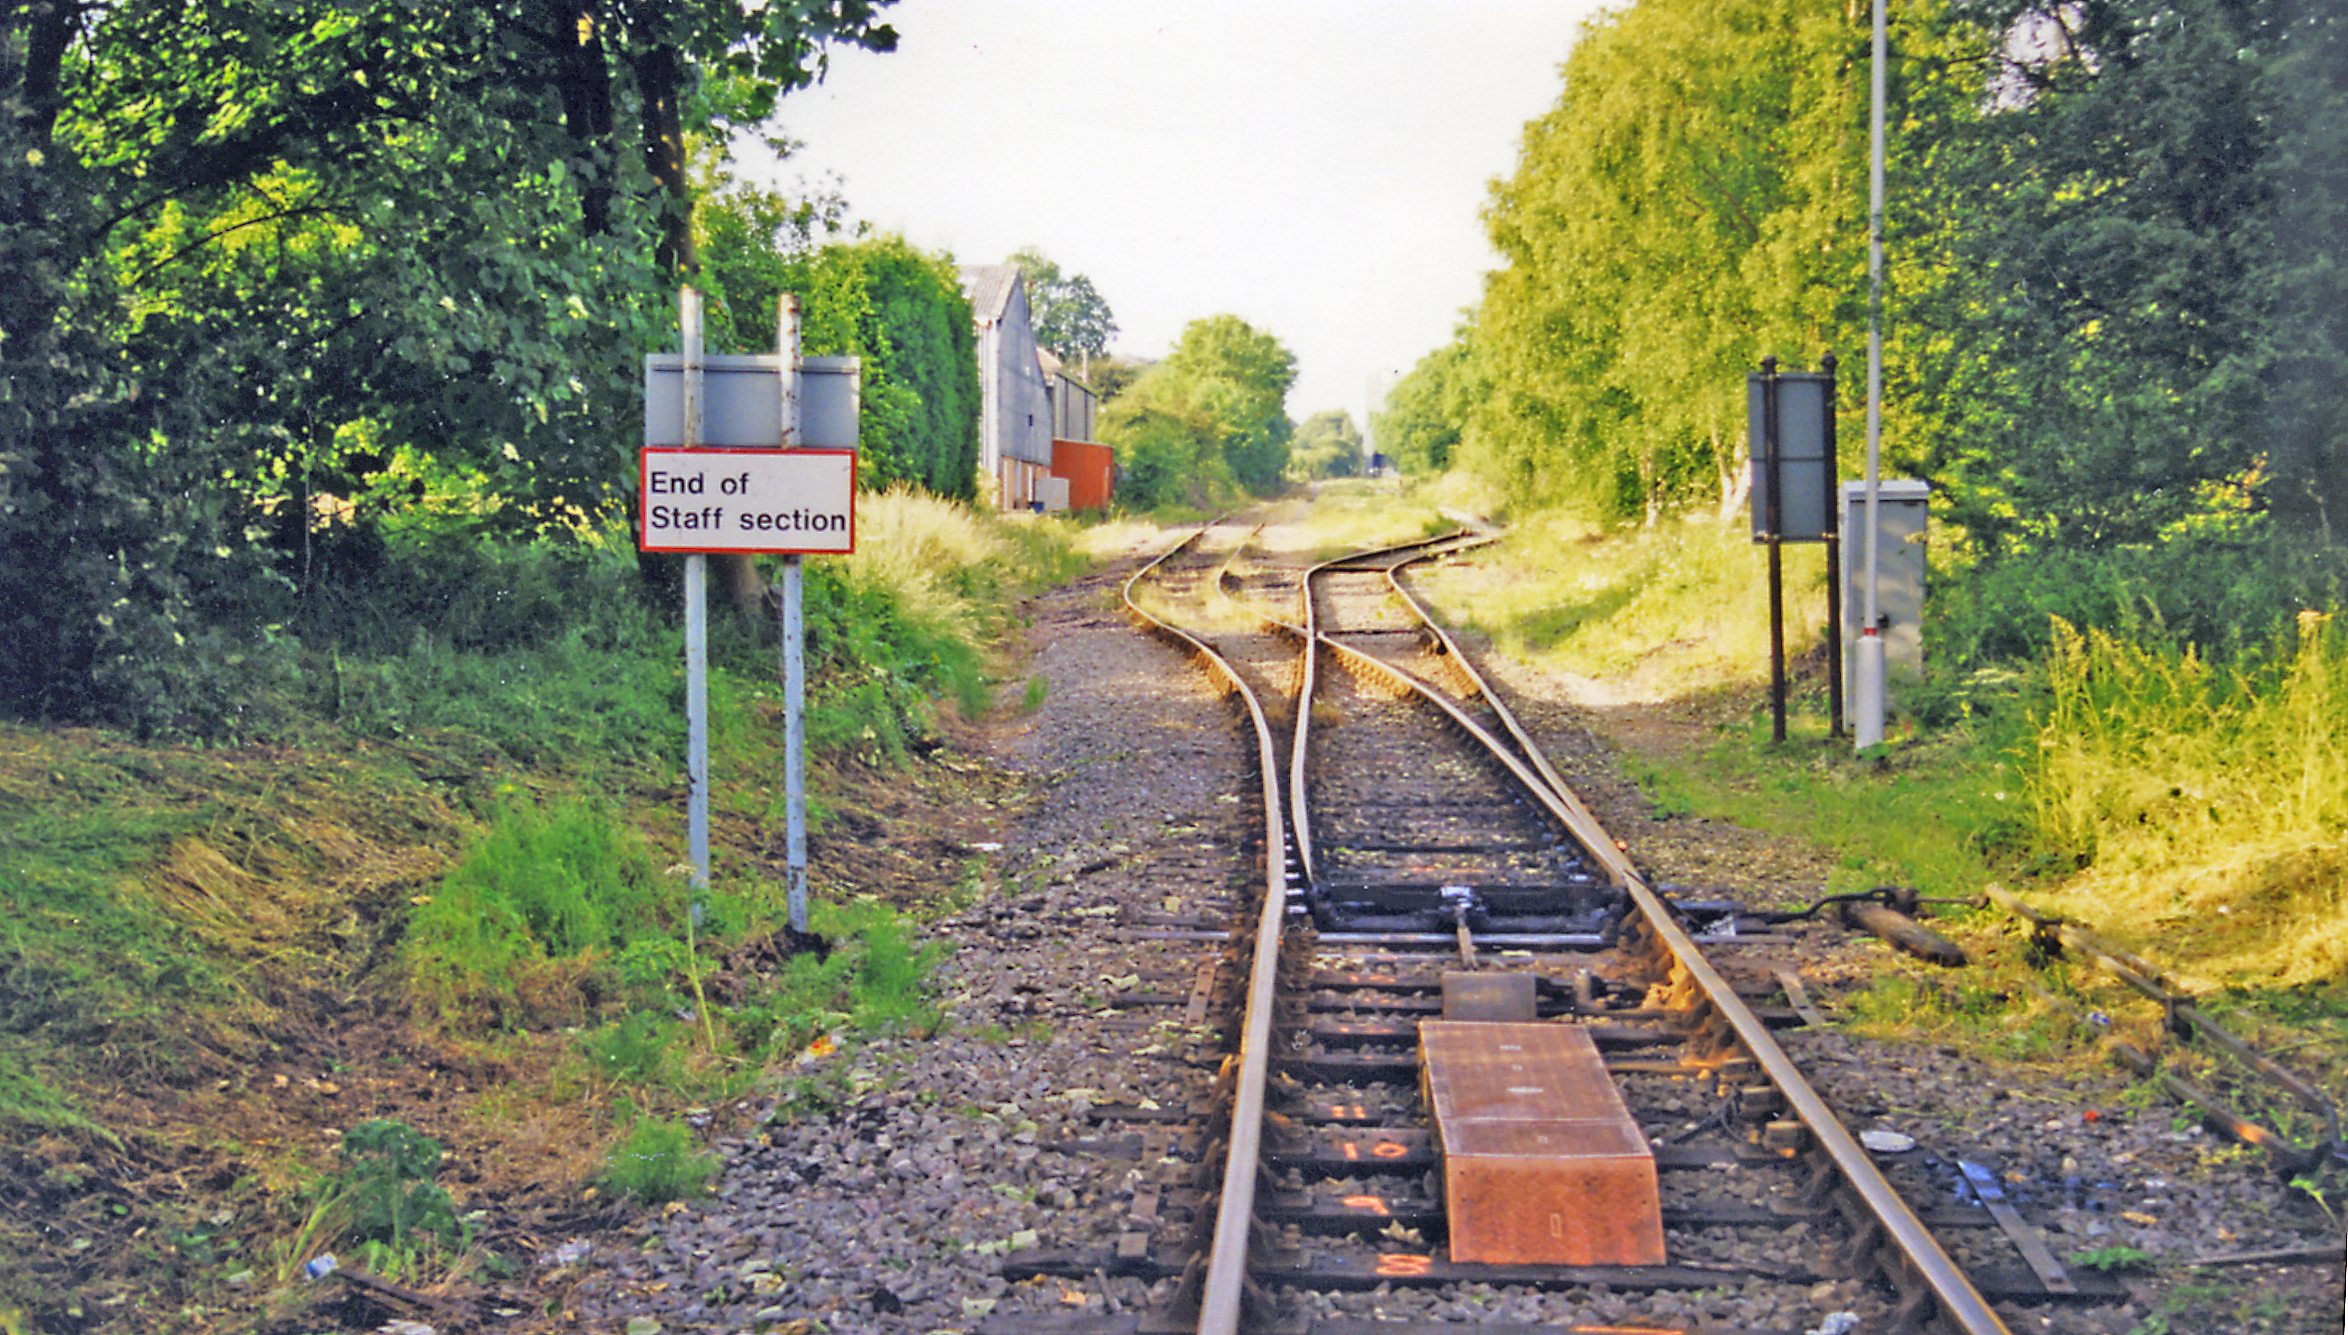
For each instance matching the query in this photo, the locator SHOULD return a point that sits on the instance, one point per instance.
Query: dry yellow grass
(916, 544)
(2211, 807)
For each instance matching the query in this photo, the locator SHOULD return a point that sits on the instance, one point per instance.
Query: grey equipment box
(1900, 566)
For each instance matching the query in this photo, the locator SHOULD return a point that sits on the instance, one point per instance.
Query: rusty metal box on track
(1542, 1163)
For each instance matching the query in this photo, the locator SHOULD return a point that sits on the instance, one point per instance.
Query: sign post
(1868, 668)
(747, 455)
(1790, 420)
(696, 620)
(794, 646)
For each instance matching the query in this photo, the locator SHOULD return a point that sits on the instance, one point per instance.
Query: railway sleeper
(1359, 1032)
(1546, 1006)
(1333, 1150)
(1308, 1268)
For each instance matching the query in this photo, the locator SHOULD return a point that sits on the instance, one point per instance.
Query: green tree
(1327, 444)
(903, 313)
(1069, 316)
(1238, 376)
(754, 244)
(2304, 86)
(272, 246)
(899, 311)
(1112, 375)
(2134, 323)
(1169, 452)
(1207, 422)
(1689, 205)
(1420, 426)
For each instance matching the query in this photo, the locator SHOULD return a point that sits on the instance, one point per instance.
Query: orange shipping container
(1090, 469)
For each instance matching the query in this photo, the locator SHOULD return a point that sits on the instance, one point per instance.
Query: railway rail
(1418, 849)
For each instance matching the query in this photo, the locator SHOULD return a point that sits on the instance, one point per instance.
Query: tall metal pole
(794, 641)
(1867, 709)
(696, 628)
(1834, 552)
(1773, 474)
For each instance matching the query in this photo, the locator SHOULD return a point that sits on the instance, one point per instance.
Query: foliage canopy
(1327, 444)
(2117, 320)
(898, 310)
(278, 267)
(1069, 315)
(1210, 418)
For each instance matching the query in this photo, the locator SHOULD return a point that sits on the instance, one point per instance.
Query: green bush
(525, 930)
(658, 1162)
(375, 587)
(634, 1050)
(383, 1202)
(872, 979)
(875, 669)
(890, 984)
(2218, 597)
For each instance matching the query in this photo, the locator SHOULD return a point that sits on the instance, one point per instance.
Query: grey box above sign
(742, 402)
(1805, 472)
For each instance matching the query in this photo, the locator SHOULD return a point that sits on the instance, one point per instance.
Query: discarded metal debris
(1901, 931)
(2054, 937)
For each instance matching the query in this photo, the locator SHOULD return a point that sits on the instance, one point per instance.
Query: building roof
(990, 287)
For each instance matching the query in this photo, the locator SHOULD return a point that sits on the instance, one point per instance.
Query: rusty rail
(1223, 1287)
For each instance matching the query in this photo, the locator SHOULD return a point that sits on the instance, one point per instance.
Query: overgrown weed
(383, 1205)
(2161, 775)
(659, 1160)
(176, 912)
(526, 930)
(2205, 807)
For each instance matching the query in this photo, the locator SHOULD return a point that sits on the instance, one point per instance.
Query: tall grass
(950, 565)
(2206, 806)
(1678, 606)
(526, 931)
(909, 619)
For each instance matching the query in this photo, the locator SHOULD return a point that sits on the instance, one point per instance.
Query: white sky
(1315, 167)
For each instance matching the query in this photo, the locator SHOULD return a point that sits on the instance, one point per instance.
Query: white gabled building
(1015, 413)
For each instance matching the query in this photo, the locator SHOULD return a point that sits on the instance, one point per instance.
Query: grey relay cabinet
(1900, 565)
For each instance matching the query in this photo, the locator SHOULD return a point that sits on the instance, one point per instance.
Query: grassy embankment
(253, 992)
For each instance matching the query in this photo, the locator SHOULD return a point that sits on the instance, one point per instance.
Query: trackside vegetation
(455, 855)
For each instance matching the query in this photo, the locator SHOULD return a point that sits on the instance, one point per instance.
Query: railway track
(1419, 859)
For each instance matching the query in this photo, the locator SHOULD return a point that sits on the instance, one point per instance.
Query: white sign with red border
(707, 500)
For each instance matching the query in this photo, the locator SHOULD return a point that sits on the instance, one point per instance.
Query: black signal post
(1809, 462)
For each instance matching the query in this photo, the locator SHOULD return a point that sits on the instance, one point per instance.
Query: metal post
(795, 735)
(697, 722)
(1868, 665)
(1834, 559)
(1773, 475)
(794, 642)
(696, 628)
